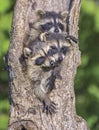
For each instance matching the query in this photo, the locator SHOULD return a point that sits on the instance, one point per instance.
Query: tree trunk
(25, 109)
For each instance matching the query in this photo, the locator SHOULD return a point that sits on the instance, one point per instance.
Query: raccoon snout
(56, 30)
(60, 59)
(52, 63)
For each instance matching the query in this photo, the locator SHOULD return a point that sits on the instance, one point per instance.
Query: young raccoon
(42, 81)
(53, 22)
(42, 59)
(50, 21)
(47, 21)
(49, 53)
(55, 50)
(57, 47)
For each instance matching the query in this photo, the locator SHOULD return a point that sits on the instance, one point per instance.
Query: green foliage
(5, 27)
(87, 78)
(6, 7)
(4, 107)
(92, 8)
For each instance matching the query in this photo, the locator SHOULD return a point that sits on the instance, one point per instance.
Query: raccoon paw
(56, 73)
(43, 36)
(71, 39)
(49, 109)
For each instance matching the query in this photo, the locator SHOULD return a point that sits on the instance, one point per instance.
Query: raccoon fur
(57, 45)
(42, 81)
(49, 21)
(43, 60)
(40, 71)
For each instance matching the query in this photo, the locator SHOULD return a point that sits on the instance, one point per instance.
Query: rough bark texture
(25, 110)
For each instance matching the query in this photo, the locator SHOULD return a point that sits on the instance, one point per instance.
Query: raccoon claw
(71, 38)
(43, 36)
(49, 109)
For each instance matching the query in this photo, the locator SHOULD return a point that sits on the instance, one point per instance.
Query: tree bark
(25, 110)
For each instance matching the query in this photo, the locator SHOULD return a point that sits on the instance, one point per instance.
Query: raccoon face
(54, 22)
(51, 21)
(53, 55)
(50, 53)
(48, 57)
(58, 53)
(53, 26)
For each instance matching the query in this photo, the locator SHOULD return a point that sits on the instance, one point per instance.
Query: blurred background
(87, 78)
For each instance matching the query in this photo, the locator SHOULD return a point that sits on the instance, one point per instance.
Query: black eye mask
(52, 51)
(40, 60)
(64, 50)
(61, 26)
(47, 26)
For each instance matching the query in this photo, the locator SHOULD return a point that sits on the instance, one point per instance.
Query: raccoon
(42, 80)
(53, 22)
(55, 50)
(43, 60)
(38, 51)
(48, 53)
(51, 53)
(49, 21)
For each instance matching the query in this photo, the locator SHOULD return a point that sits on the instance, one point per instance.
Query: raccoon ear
(64, 15)
(27, 52)
(40, 13)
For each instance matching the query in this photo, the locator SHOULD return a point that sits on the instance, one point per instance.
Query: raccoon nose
(56, 30)
(52, 63)
(60, 59)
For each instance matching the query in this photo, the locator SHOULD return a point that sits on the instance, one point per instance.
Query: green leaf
(92, 120)
(5, 22)
(3, 121)
(4, 5)
(88, 6)
(94, 90)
